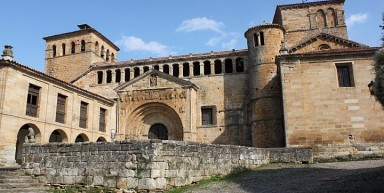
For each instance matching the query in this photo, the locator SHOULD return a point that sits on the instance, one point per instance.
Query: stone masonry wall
(146, 165)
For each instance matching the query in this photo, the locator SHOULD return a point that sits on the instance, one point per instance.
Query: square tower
(307, 19)
(68, 55)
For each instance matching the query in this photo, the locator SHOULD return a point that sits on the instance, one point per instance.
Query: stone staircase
(13, 180)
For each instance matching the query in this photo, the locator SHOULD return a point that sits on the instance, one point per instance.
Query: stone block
(147, 184)
(98, 180)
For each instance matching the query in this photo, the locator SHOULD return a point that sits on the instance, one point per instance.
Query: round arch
(101, 139)
(145, 116)
(26, 135)
(81, 138)
(58, 136)
(158, 131)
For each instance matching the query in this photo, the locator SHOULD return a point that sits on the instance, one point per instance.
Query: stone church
(300, 83)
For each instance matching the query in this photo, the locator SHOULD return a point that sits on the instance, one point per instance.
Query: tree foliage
(378, 85)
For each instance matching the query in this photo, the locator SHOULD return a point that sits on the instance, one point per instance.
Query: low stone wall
(146, 165)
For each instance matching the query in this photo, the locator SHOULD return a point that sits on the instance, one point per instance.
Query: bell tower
(266, 117)
(68, 55)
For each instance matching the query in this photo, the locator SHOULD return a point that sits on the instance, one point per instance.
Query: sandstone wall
(146, 165)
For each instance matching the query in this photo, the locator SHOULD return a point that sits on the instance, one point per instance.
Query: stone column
(141, 70)
(104, 77)
(161, 67)
(223, 66)
(212, 62)
(181, 70)
(190, 69)
(131, 73)
(233, 65)
(171, 70)
(122, 75)
(202, 68)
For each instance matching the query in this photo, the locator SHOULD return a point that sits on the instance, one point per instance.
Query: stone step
(19, 185)
(20, 179)
(25, 190)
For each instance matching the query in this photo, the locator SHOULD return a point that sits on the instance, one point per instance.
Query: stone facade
(20, 110)
(300, 83)
(146, 165)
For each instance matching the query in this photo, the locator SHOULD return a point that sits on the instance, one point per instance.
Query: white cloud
(231, 44)
(214, 41)
(356, 18)
(198, 24)
(132, 43)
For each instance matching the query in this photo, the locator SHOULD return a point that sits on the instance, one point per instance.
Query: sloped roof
(334, 52)
(314, 37)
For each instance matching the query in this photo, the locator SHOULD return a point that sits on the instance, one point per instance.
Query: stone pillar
(113, 78)
(122, 75)
(161, 67)
(171, 70)
(141, 70)
(233, 65)
(223, 66)
(202, 68)
(131, 73)
(181, 67)
(104, 77)
(212, 62)
(190, 69)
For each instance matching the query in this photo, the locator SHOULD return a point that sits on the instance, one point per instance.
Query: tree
(377, 87)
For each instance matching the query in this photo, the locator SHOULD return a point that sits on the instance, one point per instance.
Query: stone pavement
(354, 176)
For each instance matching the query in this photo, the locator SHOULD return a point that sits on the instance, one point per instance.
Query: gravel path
(354, 176)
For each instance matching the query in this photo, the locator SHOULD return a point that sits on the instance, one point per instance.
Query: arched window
(102, 52)
(320, 18)
(324, 47)
(196, 68)
(331, 17)
(136, 72)
(145, 68)
(99, 77)
(218, 67)
(127, 74)
(228, 65)
(118, 75)
(239, 65)
(107, 56)
(73, 47)
(97, 48)
(256, 39)
(185, 69)
(54, 50)
(207, 67)
(82, 46)
(109, 76)
(156, 67)
(63, 49)
(166, 68)
(175, 70)
(262, 38)
(112, 57)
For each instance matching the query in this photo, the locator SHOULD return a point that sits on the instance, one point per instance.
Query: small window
(218, 67)
(166, 69)
(118, 75)
(146, 68)
(112, 57)
(262, 38)
(127, 74)
(60, 108)
(207, 67)
(136, 72)
(239, 65)
(82, 46)
(156, 67)
(97, 48)
(99, 77)
(102, 52)
(83, 114)
(63, 49)
(109, 76)
(102, 119)
(256, 39)
(186, 69)
(206, 116)
(175, 70)
(345, 74)
(196, 68)
(33, 100)
(54, 51)
(107, 57)
(73, 47)
(228, 65)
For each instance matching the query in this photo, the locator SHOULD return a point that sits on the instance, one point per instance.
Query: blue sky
(152, 28)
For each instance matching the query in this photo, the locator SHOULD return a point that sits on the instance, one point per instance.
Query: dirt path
(356, 176)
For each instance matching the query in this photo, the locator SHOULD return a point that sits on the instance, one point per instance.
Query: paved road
(356, 176)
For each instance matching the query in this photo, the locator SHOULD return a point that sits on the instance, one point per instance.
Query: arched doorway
(58, 136)
(101, 139)
(81, 138)
(158, 131)
(23, 136)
